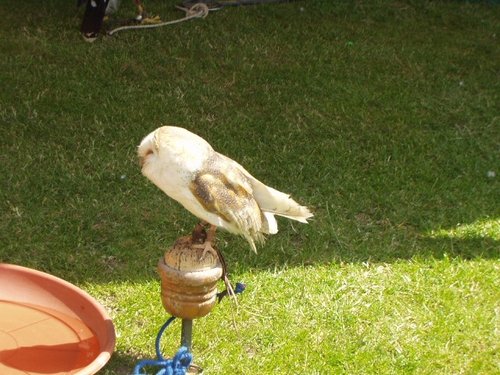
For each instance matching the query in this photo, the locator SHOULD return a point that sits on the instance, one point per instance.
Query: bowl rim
(106, 347)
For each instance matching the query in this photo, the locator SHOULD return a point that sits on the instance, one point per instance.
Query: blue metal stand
(181, 361)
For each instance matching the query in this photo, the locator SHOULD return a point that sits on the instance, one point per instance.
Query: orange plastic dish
(49, 326)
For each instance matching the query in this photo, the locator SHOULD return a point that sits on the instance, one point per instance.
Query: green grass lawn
(382, 116)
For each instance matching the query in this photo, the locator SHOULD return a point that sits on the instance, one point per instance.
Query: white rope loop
(199, 10)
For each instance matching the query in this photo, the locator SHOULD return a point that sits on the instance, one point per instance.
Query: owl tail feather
(252, 237)
(275, 202)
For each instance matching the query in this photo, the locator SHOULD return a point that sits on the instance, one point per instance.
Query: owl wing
(223, 189)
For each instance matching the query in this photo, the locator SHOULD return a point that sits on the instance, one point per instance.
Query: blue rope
(175, 366)
(159, 335)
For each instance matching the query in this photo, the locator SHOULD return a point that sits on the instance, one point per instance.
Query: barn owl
(213, 187)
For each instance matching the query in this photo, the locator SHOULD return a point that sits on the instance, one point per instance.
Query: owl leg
(204, 239)
(208, 238)
(209, 242)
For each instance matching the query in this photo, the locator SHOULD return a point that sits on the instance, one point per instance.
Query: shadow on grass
(419, 247)
(294, 246)
(120, 364)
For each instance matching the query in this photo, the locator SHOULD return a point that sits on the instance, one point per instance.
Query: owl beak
(143, 158)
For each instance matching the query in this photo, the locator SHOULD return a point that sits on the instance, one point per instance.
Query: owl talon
(200, 234)
(207, 247)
